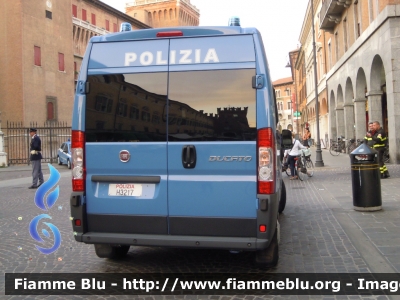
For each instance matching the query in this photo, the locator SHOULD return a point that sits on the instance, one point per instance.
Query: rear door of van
(212, 137)
(126, 137)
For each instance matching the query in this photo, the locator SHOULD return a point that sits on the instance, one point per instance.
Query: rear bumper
(231, 243)
(251, 239)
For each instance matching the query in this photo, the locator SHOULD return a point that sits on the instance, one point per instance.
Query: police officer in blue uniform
(36, 159)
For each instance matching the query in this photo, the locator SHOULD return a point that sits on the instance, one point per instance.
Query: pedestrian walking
(307, 137)
(380, 142)
(36, 159)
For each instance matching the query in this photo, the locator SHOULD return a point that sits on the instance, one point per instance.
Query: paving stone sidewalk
(375, 235)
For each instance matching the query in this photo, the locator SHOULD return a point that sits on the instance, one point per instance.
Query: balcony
(88, 26)
(331, 13)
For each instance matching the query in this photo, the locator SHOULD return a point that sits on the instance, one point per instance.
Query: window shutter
(74, 11)
(61, 62)
(50, 111)
(37, 56)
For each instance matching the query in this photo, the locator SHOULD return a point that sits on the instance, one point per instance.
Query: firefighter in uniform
(368, 137)
(380, 141)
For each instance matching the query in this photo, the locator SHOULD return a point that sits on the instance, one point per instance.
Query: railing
(17, 141)
(89, 26)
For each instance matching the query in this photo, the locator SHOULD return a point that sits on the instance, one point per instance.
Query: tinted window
(120, 107)
(218, 105)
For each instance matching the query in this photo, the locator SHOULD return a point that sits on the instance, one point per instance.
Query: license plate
(125, 189)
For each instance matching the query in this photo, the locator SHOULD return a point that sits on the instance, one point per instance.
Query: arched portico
(340, 113)
(332, 116)
(359, 100)
(349, 110)
(377, 81)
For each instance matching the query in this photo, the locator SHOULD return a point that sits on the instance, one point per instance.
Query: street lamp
(318, 156)
(288, 65)
(291, 112)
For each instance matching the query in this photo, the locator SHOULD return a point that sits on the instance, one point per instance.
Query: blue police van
(174, 143)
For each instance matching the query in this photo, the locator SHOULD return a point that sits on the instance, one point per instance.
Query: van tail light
(266, 161)
(78, 161)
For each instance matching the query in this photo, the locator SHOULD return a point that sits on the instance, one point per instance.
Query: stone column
(375, 106)
(348, 121)
(360, 118)
(339, 120)
(332, 130)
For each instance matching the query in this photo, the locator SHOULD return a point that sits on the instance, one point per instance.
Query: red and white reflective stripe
(266, 161)
(78, 161)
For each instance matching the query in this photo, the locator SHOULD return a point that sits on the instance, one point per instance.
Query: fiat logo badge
(124, 155)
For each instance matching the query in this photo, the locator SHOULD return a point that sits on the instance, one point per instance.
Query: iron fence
(17, 141)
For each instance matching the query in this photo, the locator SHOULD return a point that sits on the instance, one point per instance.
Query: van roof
(188, 31)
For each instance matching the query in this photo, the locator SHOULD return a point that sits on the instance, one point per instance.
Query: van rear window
(211, 105)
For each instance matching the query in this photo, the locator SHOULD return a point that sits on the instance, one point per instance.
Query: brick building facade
(357, 42)
(41, 53)
(164, 13)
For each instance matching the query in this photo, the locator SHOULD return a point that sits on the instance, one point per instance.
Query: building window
(278, 93)
(37, 56)
(356, 22)
(337, 46)
(345, 37)
(93, 19)
(287, 92)
(75, 71)
(74, 11)
(49, 15)
(51, 108)
(289, 105)
(61, 62)
(84, 15)
(330, 54)
(107, 25)
(115, 27)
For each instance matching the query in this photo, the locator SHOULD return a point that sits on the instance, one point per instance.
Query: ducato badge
(230, 158)
(124, 155)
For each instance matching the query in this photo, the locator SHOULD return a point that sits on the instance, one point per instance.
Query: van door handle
(189, 157)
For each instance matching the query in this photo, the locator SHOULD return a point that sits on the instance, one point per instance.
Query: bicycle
(340, 146)
(386, 157)
(303, 166)
(353, 144)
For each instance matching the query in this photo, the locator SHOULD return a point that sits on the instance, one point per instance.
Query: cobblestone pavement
(320, 232)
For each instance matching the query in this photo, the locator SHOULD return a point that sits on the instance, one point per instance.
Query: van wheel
(282, 201)
(108, 251)
(269, 257)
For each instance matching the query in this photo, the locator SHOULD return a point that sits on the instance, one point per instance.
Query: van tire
(282, 201)
(269, 257)
(108, 251)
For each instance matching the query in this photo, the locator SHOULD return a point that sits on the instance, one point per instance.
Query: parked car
(64, 154)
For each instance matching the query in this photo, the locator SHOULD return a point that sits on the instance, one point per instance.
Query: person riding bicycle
(295, 152)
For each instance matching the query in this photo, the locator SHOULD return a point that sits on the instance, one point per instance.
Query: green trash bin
(365, 179)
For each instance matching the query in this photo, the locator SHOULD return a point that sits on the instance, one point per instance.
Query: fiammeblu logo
(45, 203)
